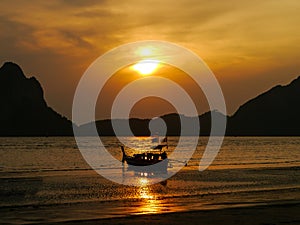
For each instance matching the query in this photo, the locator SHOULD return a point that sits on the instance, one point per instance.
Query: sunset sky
(250, 46)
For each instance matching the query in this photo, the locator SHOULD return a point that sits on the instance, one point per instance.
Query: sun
(146, 67)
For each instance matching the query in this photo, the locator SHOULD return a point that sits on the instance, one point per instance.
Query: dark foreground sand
(283, 213)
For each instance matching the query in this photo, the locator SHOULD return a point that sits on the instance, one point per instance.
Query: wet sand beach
(83, 196)
(281, 213)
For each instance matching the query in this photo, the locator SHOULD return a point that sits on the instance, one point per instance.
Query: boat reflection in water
(145, 176)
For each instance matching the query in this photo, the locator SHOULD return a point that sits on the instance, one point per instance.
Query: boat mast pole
(124, 154)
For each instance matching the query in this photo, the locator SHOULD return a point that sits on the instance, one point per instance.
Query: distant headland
(24, 112)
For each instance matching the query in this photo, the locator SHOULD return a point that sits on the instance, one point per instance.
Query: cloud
(234, 37)
(80, 3)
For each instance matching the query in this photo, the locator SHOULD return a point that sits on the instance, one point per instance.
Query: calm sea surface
(47, 179)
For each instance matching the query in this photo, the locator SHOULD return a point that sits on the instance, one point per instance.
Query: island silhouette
(24, 112)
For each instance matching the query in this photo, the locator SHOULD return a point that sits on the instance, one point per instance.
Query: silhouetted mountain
(140, 127)
(275, 112)
(24, 111)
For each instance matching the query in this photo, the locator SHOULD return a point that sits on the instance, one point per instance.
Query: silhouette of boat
(148, 158)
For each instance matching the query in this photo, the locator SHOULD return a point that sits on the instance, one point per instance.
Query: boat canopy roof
(160, 147)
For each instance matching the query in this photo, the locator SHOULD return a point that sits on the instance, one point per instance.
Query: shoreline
(278, 213)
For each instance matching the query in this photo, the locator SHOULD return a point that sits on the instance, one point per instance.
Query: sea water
(47, 179)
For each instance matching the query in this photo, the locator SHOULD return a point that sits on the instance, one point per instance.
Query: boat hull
(144, 165)
(148, 161)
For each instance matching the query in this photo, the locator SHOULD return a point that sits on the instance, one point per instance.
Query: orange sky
(156, 106)
(249, 45)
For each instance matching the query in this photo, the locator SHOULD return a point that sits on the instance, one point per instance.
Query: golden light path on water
(150, 203)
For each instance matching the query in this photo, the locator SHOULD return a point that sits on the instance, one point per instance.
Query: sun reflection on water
(149, 203)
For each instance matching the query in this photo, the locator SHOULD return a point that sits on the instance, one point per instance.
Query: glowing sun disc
(146, 67)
